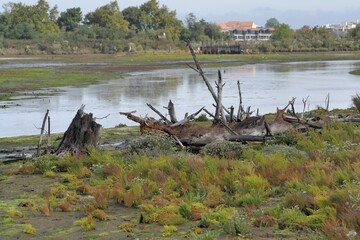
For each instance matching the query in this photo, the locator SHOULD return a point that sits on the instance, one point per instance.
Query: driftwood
(171, 109)
(42, 132)
(83, 131)
(240, 128)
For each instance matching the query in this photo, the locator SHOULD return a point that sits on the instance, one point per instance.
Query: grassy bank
(296, 187)
(355, 72)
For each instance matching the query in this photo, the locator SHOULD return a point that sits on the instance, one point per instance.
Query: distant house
(246, 31)
(341, 28)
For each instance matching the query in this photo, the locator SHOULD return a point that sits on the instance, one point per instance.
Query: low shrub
(224, 149)
(238, 224)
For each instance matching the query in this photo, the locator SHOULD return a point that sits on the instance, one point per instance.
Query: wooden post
(219, 114)
(327, 102)
(241, 108)
(231, 113)
(42, 132)
(171, 109)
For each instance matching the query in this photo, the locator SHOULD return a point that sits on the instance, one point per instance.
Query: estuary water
(264, 87)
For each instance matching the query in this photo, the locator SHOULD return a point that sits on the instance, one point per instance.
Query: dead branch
(171, 110)
(241, 107)
(42, 133)
(219, 113)
(159, 113)
(304, 101)
(200, 71)
(187, 118)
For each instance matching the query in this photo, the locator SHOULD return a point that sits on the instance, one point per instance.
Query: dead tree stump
(83, 131)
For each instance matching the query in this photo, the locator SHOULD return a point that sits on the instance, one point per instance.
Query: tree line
(40, 28)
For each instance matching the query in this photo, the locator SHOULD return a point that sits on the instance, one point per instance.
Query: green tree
(108, 16)
(40, 16)
(355, 33)
(148, 14)
(24, 31)
(70, 19)
(272, 23)
(133, 16)
(283, 36)
(196, 28)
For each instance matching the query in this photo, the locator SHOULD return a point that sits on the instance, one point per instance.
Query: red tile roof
(236, 24)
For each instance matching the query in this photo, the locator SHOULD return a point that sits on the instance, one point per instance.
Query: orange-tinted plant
(44, 209)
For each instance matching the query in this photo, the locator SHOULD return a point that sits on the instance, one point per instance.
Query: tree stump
(83, 131)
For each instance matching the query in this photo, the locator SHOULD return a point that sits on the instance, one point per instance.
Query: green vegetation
(309, 188)
(42, 29)
(355, 72)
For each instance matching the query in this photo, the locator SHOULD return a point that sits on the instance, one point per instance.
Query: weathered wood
(159, 113)
(246, 138)
(200, 71)
(231, 114)
(171, 110)
(187, 118)
(42, 132)
(219, 113)
(241, 107)
(83, 131)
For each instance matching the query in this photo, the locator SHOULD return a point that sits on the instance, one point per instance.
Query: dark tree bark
(83, 131)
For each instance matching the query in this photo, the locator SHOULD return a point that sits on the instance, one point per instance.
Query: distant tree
(133, 16)
(70, 19)
(24, 31)
(213, 31)
(355, 33)
(195, 28)
(148, 14)
(282, 33)
(283, 36)
(108, 16)
(272, 23)
(40, 17)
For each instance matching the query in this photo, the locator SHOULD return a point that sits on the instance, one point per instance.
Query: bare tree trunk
(219, 114)
(83, 131)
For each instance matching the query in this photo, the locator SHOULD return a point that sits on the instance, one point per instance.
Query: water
(264, 86)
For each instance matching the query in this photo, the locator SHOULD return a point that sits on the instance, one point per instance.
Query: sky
(295, 13)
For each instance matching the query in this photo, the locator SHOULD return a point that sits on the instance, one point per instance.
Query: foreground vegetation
(295, 187)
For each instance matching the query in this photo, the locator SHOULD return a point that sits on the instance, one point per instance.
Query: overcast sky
(295, 13)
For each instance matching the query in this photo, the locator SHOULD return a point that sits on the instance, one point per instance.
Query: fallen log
(83, 131)
(246, 138)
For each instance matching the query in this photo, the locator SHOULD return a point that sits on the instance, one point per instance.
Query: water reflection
(264, 86)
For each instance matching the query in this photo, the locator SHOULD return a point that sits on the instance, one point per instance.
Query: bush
(223, 149)
(238, 224)
(153, 145)
(356, 101)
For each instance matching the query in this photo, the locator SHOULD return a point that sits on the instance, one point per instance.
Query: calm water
(264, 86)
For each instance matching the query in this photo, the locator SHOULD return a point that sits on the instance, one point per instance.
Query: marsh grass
(30, 79)
(310, 186)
